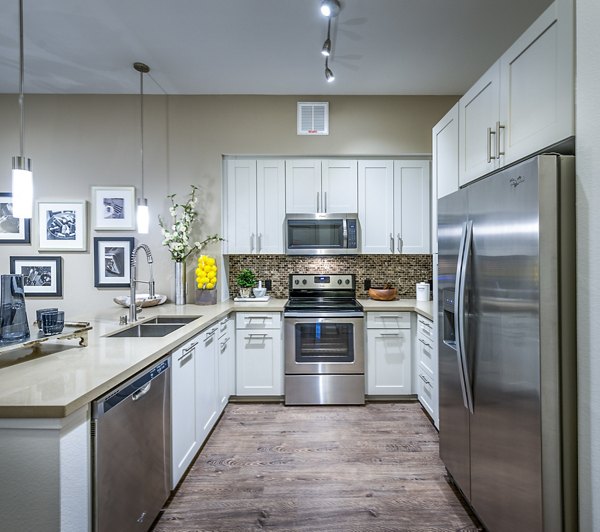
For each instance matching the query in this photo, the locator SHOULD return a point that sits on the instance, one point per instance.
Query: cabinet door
(303, 186)
(207, 382)
(376, 206)
(412, 225)
(270, 206)
(184, 441)
(445, 154)
(339, 186)
(426, 392)
(537, 74)
(231, 355)
(241, 206)
(389, 361)
(479, 110)
(259, 368)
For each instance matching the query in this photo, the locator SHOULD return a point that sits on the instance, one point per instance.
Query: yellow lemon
(210, 285)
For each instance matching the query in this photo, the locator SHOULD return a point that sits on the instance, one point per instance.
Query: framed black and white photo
(12, 230)
(111, 262)
(113, 208)
(42, 276)
(62, 226)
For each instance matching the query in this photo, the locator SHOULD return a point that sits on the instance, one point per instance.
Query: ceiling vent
(313, 118)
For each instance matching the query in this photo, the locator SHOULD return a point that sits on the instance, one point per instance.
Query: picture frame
(113, 208)
(62, 226)
(12, 230)
(111, 261)
(42, 276)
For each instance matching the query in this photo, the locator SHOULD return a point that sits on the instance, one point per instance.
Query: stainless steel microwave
(321, 234)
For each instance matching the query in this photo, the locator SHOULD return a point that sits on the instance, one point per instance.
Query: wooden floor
(271, 467)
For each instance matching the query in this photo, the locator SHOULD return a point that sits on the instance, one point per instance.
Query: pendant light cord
(142, 126)
(21, 79)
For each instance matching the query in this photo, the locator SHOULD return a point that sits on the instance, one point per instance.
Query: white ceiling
(257, 46)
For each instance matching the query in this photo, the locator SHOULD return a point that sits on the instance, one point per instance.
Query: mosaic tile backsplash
(400, 271)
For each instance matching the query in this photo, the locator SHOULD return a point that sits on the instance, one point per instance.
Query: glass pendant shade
(142, 216)
(22, 188)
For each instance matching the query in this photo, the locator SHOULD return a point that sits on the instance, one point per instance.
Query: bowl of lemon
(206, 281)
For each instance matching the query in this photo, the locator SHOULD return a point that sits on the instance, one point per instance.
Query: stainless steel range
(324, 341)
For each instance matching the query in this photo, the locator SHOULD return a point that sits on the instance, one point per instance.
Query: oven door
(324, 345)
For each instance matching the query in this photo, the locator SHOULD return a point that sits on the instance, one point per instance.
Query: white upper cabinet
(444, 171)
(393, 209)
(525, 101)
(411, 207)
(339, 186)
(537, 84)
(376, 206)
(479, 111)
(255, 209)
(314, 185)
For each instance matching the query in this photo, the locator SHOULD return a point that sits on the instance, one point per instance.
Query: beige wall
(76, 141)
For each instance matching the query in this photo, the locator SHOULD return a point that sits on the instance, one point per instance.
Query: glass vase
(180, 281)
(13, 315)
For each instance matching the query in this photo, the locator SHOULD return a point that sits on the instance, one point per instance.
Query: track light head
(326, 50)
(330, 8)
(328, 73)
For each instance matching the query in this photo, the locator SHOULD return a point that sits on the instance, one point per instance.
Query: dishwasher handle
(136, 387)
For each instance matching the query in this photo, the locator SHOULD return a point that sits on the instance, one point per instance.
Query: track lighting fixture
(328, 73)
(330, 8)
(326, 50)
(142, 214)
(22, 178)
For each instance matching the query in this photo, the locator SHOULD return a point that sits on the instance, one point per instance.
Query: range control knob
(347, 281)
(339, 281)
(296, 281)
(303, 281)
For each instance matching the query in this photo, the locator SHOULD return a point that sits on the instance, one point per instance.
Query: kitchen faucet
(133, 310)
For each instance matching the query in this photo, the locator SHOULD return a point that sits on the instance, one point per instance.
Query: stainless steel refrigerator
(507, 353)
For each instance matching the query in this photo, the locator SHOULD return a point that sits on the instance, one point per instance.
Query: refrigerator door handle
(460, 316)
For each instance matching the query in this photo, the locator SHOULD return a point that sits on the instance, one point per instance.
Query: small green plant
(246, 278)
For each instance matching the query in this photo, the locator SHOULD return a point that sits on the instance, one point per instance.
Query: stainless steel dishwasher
(131, 445)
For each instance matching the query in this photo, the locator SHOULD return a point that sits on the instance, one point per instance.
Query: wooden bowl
(383, 294)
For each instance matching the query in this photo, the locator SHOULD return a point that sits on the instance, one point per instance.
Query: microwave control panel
(352, 233)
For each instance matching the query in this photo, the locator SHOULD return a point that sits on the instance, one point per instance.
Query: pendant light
(326, 50)
(328, 72)
(22, 178)
(142, 213)
(330, 8)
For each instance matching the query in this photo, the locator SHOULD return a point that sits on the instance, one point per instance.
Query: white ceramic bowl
(259, 292)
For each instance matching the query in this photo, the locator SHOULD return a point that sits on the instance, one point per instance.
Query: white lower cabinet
(207, 388)
(389, 353)
(259, 355)
(184, 442)
(226, 361)
(426, 369)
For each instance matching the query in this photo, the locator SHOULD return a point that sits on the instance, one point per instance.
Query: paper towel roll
(422, 291)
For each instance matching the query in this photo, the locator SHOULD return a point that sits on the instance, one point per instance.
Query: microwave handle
(345, 232)
(324, 201)
(318, 198)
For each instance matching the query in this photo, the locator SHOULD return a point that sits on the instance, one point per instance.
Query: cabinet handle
(400, 243)
(190, 348)
(258, 317)
(251, 242)
(425, 343)
(391, 243)
(388, 334)
(424, 379)
(256, 335)
(318, 198)
(324, 201)
(489, 145)
(187, 355)
(258, 242)
(498, 128)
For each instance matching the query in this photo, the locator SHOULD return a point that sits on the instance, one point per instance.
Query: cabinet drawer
(258, 320)
(425, 327)
(388, 320)
(426, 390)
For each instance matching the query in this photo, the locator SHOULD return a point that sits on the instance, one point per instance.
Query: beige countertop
(63, 377)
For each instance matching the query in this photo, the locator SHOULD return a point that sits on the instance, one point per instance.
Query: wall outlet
(367, 284)
(268, 284)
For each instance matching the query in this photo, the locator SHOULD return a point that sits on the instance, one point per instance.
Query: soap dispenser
(13, 315)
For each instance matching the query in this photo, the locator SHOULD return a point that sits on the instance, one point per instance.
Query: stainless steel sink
(173, 319)
(146, 330)
(155, 327)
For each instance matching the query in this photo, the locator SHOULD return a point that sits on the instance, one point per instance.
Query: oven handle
(324, 315)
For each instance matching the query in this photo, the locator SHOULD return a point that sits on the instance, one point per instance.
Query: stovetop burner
(335, 293)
